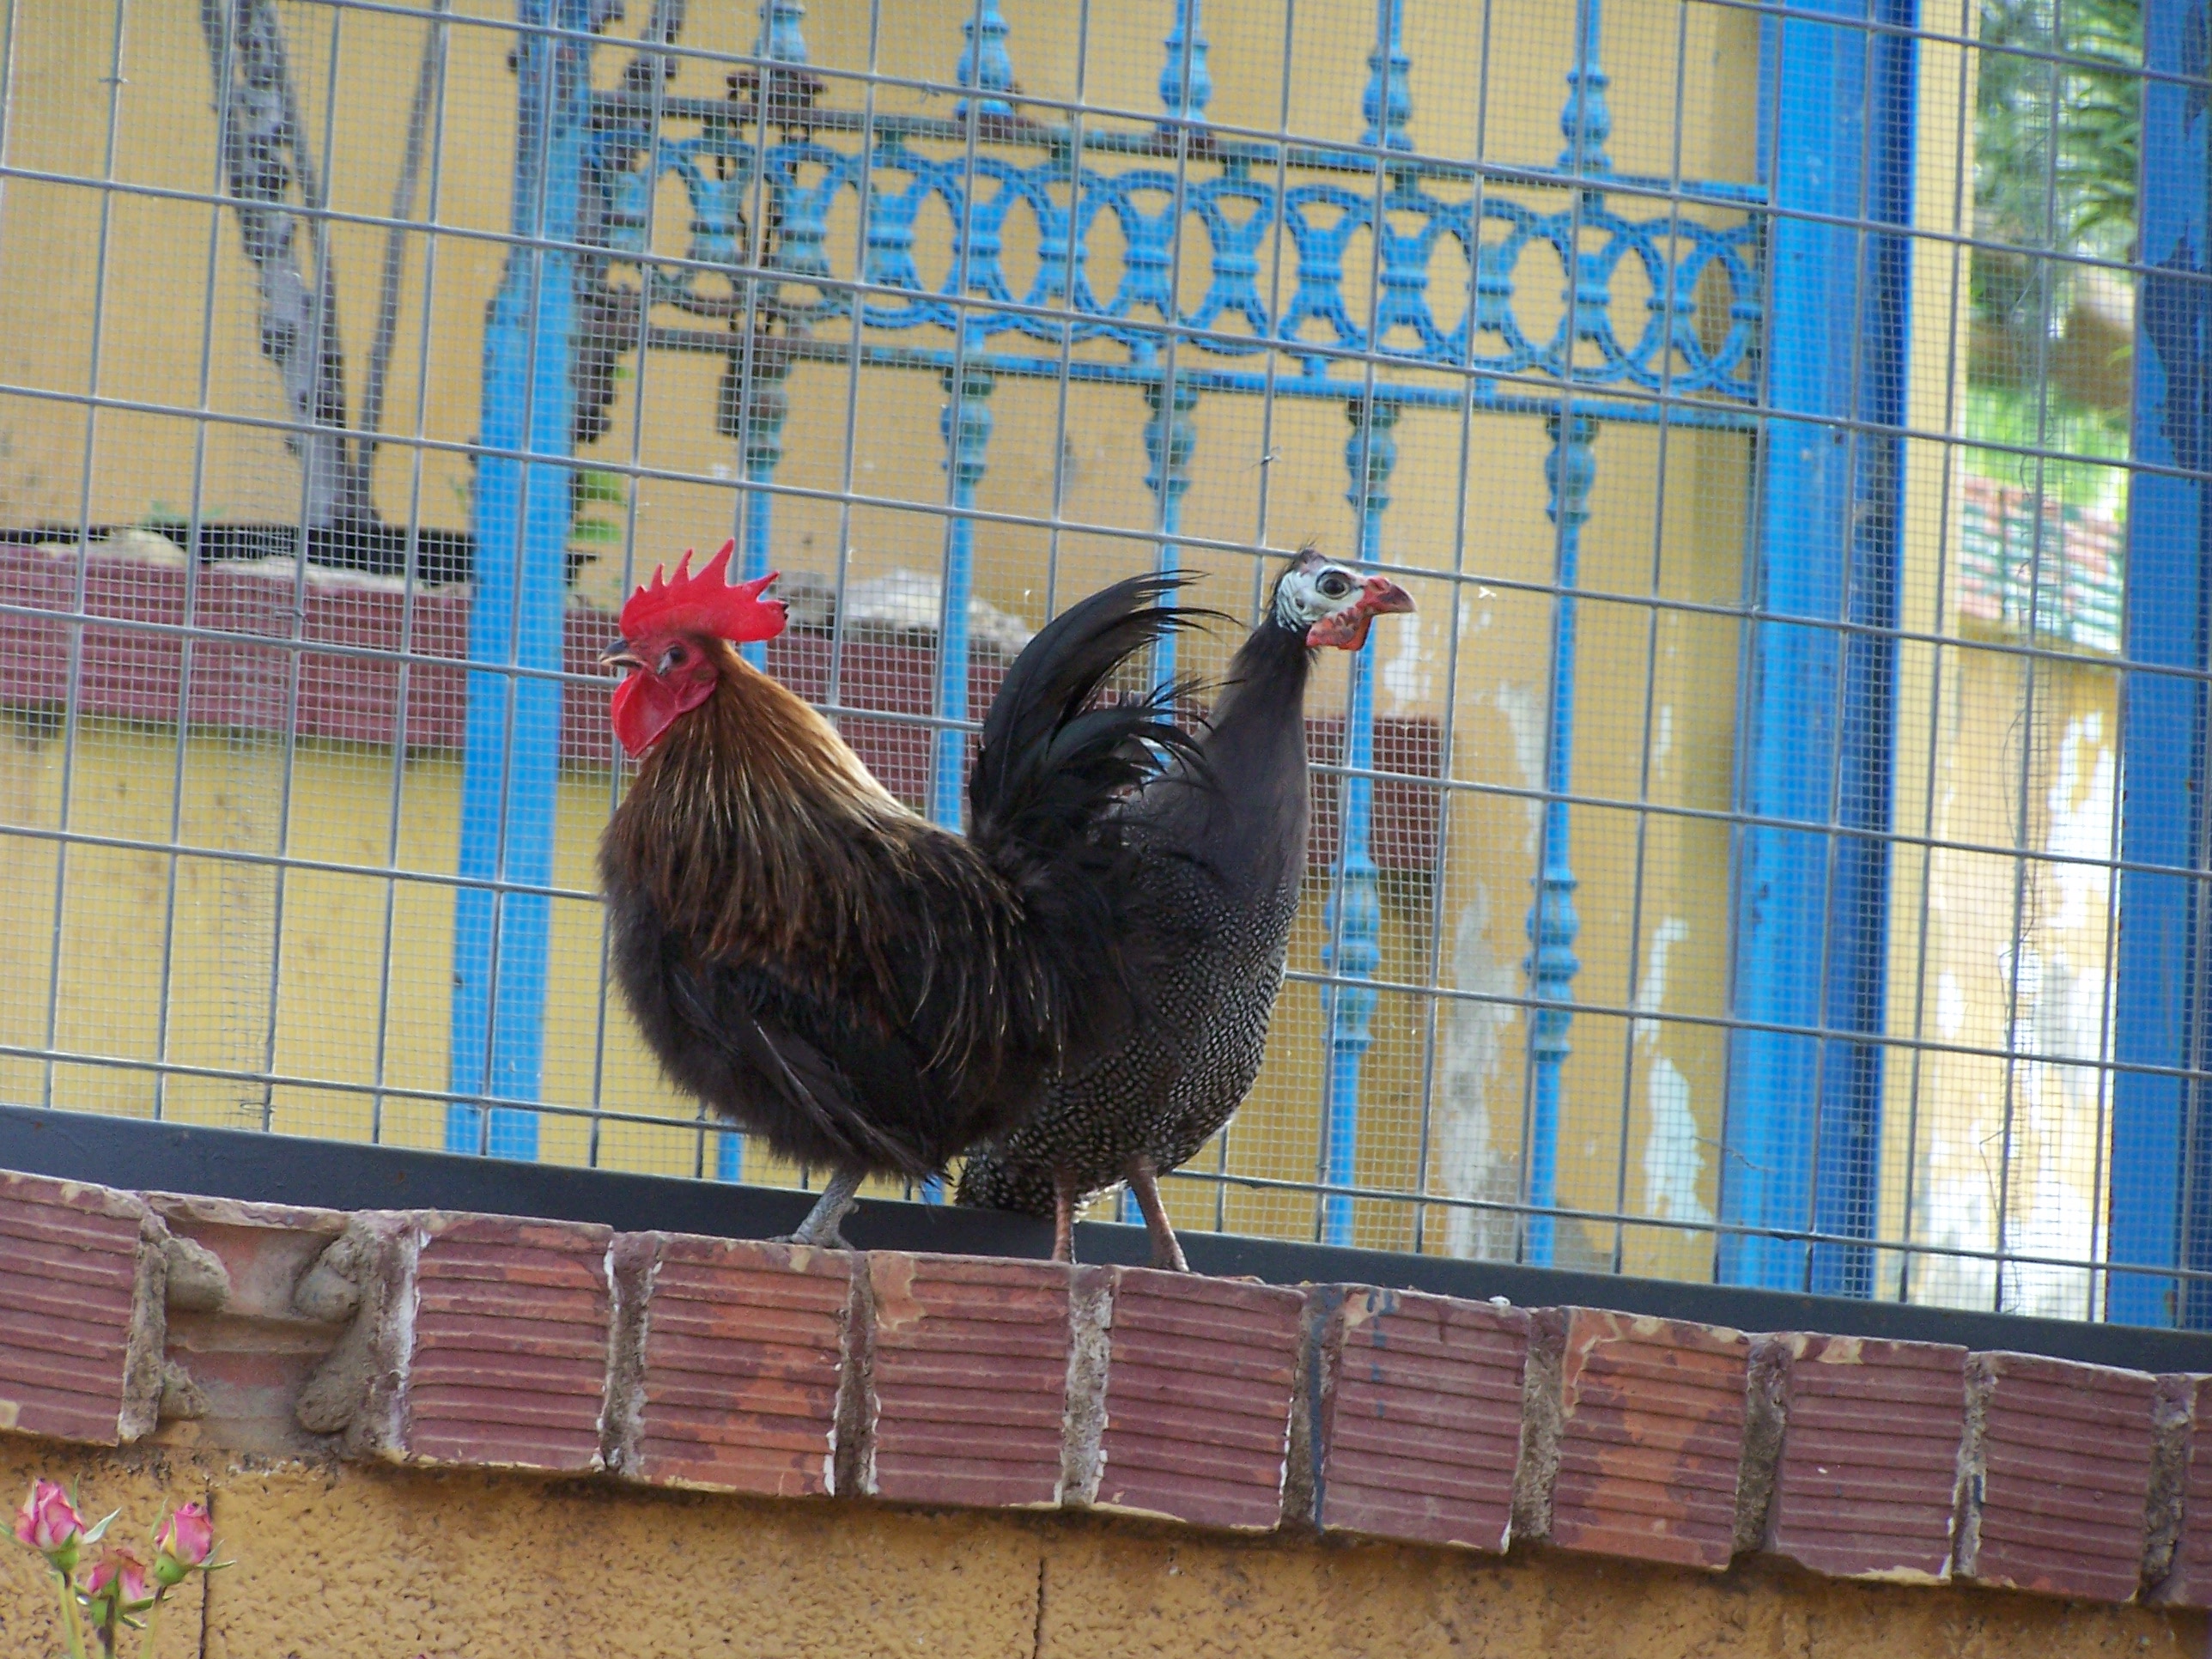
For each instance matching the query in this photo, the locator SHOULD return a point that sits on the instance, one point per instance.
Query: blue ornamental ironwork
(766, 168)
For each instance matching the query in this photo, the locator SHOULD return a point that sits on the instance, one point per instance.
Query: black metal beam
(174, 1157)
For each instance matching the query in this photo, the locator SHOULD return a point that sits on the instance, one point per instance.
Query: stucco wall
(350, 1563)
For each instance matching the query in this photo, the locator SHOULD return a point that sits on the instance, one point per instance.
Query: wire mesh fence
(1772, 850)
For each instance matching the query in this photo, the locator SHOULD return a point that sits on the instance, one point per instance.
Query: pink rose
(48, 1522)
(118, 1580)
(182, 1542)
(188, 1535)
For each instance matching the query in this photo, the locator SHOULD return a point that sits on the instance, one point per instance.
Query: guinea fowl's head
(670, 654)
(1332, 603)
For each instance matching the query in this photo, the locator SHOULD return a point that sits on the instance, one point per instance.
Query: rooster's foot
(820, 1230)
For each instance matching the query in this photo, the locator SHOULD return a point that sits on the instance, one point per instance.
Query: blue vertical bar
(1570, 470)
(1804, 1126)
(1354, 924)
(2159, 1189)
(1170, 437)
(512, 760)
(764, 403)
(966, 426)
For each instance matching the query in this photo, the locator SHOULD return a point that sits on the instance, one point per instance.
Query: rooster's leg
(1063, 1218)
(1167, 1250)
(820, 1226)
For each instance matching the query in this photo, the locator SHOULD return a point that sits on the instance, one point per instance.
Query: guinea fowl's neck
(1262, 707)
(752, 793)
(1248, 815)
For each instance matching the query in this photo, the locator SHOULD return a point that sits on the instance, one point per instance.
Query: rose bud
(118, 1580)
(120, 1577)
(50, 1524)
(182, 1543)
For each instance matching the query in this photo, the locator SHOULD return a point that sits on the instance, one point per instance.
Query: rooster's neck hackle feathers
(754, 792)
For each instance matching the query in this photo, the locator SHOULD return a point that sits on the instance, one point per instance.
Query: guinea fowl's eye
(1334, 586)
(672, 658)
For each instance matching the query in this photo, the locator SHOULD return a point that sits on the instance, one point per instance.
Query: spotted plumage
(1219, 866)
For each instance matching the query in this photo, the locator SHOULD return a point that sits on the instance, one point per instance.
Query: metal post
(2161, 1142)
(509, 772)
(965, 424)
(1170, 437)
(1388, 104)
(1186, 90)
(1353, 923)
(984, 62)
(1804, 1121)
(1571, 469)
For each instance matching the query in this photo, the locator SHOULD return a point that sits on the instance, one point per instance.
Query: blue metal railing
(1235, 340)
(522, 516)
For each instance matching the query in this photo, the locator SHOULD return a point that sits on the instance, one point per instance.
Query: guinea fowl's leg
(1167, 1250)
(1063, 1217)
(820, 1226)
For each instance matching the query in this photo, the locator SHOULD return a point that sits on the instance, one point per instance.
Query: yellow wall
(344, 1563)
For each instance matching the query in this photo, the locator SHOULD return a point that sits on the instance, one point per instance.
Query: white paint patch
(1662, 737)
(1468, 1161)
(1521, 707)
(2081, 806)
(1673, 1151)
(1950, 1006)
(1651, 990)
(1405, 679)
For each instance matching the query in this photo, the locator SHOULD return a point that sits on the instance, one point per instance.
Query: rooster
(871, 993)
(1222, 846)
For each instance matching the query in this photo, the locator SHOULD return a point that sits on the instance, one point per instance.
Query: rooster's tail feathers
(1051, 763)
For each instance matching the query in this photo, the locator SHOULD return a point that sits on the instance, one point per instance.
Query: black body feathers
(861, 988)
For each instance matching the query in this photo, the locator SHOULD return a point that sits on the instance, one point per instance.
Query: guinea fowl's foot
(1167, 1248)
(820, 1229)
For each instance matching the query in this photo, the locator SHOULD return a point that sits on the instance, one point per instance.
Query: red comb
(704, 603)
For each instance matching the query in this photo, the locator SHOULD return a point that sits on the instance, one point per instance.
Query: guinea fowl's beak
(1347, 629)
(1383, 596)
(619, 658)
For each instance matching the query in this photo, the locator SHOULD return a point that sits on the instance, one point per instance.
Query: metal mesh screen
(1773, 851)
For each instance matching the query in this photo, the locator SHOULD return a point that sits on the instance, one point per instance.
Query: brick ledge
(441, 1339)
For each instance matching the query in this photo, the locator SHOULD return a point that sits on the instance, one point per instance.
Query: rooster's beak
(620, 658)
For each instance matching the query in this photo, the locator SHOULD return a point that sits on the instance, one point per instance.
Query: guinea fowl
(867, 992)
(1221, 860)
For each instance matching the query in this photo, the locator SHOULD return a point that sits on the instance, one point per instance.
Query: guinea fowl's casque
(1222, 841)
(868, 993)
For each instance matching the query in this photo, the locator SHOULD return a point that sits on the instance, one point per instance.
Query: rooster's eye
(673, 658)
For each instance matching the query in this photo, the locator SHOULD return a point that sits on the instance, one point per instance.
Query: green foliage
(2056, 141)
(592, 529)
(2006, 414)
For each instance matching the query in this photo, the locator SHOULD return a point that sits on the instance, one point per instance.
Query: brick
(508, 1359)
(1420, 1420)
(81, 1316)
(2057, 1476)
(1866, 1482)
(741, 1358)
(1197, 1412)
(1641, 1430)
(968, 1366)
(2178, 1545)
